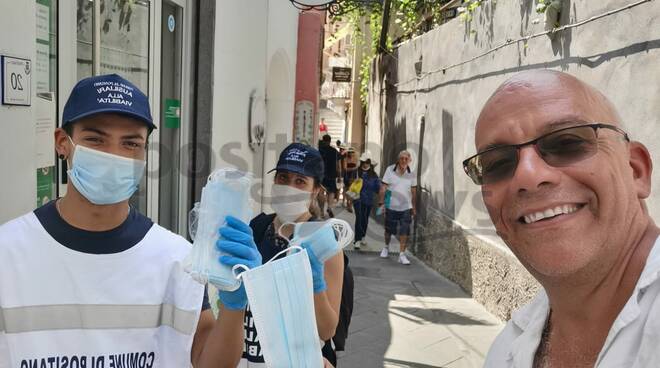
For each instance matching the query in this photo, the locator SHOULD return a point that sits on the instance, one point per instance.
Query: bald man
(565, 188)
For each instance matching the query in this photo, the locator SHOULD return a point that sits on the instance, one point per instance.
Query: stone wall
(427, 94)
(493, 277)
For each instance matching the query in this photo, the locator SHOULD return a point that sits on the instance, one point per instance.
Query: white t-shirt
(98, 310)
(401, 187)
(632, 342)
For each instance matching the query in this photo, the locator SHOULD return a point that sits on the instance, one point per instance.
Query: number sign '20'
(16, 81)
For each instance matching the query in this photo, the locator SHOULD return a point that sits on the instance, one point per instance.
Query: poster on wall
(42, 62)
(45, 183)
(304, 122)
(45, 112)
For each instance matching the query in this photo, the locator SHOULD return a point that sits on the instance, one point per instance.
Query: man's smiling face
(557, 220)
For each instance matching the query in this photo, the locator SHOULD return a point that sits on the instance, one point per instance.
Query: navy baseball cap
(106, 94)
(301, 159)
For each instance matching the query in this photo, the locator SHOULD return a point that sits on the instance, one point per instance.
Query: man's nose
(533, 172)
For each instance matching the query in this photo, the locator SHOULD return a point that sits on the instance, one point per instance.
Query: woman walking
(350, 174)
(363, 205)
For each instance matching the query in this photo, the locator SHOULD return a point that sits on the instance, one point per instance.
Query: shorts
(330, 185)
(398, 222)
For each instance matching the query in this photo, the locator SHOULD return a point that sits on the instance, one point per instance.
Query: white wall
(255, 50)
(617, 54)
(17, 141)
(280, 82)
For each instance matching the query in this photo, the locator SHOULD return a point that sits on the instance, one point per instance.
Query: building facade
(220, 77)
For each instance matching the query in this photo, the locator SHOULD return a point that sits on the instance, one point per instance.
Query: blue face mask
(282, 305)
(104, 178)
(325, 238)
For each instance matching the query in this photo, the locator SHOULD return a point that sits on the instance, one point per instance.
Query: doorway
(174, 132)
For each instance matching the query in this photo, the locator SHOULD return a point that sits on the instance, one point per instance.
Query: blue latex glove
(318, 278)
(237, 241)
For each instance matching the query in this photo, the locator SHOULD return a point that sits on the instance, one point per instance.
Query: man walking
(331, 160)
(401, 181)
(565, 187)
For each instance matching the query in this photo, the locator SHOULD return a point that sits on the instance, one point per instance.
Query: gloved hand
(237, 241)
(318, 278)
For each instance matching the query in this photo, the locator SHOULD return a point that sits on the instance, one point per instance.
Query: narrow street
(410, 316)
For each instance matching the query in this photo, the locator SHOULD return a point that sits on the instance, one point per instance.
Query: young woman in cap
(297, 182)
(363, 205)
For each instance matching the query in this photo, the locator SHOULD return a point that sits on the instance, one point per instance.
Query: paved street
(410, 316)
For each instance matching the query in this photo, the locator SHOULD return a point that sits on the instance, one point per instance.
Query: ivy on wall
(409, 18)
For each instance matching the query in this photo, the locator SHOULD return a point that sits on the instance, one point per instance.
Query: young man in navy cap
(87, 281)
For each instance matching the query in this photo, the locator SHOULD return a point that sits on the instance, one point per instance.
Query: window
(123, 32)
(117, 43)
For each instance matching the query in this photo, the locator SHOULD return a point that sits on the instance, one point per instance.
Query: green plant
(543, 5)
(467, 8)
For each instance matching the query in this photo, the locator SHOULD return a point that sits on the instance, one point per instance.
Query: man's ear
(62, 144)
(642, 168)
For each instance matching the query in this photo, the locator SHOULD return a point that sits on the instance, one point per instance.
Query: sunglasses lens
(568, 146)
(561, 148)
(498, 164)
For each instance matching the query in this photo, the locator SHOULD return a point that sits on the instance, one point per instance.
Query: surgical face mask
(289, 202)
(227, 192)
(282, 304)
(104, 178)
(324, 238)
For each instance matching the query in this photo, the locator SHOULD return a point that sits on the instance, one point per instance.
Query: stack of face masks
(282, 305)
(226, 193)
(324, 238)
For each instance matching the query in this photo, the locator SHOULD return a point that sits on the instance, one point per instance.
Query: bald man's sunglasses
(562, 147)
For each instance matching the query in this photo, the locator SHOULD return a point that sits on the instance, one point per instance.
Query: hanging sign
(340, 74)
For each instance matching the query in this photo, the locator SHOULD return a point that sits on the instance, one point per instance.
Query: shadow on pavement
(409, 316)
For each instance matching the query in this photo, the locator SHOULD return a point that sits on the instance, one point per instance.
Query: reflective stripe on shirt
(92, 317)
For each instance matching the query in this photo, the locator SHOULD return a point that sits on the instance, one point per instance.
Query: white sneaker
(363, 243)
(356, 245)
(384, 253)
(403, 259)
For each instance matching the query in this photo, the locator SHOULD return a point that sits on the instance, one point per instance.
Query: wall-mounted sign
(303, 130)
(172, 113)
(171, 23)
(340, 74)
(45, 183)
(16, 81)
(449, 14)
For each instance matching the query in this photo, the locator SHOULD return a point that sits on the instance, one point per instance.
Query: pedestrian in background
(331, 161)
(350, 174)
(364, 204)
(342, 170)
(401, 181)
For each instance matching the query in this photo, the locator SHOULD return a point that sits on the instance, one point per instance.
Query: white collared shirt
(632, 342)
(401, 187)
